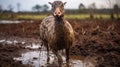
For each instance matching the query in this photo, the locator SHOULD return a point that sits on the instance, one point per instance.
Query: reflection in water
(14, 21)
(9, 21)
(38, 59)
(33, 46)
(3, 41)
(35, 58)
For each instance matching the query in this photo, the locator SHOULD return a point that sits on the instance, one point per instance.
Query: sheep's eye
(62, 5)
(52, 5)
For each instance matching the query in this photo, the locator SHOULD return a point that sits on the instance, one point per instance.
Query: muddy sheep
(56, 33)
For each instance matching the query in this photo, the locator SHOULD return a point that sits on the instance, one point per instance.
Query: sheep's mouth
(59, 16)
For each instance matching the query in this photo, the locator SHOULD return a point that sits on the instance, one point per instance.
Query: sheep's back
(47, 29)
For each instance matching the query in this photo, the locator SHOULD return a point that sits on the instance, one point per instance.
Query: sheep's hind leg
(67, 57)
(60, 61)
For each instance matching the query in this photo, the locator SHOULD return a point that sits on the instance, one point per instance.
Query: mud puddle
(27, 42)
(13, 21)
(38, 58)
(4, 41)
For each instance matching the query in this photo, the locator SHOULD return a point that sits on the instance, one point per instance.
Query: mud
(38, 59)
(100, 39)
(96, 42)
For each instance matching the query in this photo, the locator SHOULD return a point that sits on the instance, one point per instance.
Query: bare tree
(45, 7)
(92, 7)
(10, 8)
(0, 8)
(110, 4)
(116, 10)
(118, 3)
(114, 5)
(18, 6)
(36, 8)
(1, 11)
(81, 6)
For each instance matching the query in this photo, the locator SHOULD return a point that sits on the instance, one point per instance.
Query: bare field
(97, 40)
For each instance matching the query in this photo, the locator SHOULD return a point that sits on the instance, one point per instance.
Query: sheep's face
(57, 8)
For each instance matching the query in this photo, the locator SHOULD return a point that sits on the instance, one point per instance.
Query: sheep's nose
(57, 12)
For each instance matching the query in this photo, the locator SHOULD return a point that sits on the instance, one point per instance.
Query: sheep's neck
(59, 22)
(59, 19)
(60, 28)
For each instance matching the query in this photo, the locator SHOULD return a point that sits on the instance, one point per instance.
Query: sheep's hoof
(48, 59)
(60, 64)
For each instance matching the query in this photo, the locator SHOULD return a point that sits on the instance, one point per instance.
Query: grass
(28, 16)
(77, 16)
(67, 16)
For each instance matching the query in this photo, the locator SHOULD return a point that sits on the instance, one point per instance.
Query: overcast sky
(27, 5)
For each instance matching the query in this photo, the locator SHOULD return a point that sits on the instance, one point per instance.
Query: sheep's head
(57, 8)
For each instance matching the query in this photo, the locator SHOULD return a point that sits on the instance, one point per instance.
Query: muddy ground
(98, 40)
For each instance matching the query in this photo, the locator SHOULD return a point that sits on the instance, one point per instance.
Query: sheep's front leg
(48, 50)
(60, 61)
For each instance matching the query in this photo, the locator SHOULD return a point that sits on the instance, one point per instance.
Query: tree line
(91, 9)
(81, 8)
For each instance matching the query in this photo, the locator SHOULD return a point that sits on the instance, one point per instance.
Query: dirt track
(94, 38)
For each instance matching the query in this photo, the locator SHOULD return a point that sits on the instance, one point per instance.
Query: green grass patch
(77, 16)
(28, 16)
(67, 16)
(86, 16)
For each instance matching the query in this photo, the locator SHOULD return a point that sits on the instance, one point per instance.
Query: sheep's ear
(64, 3)
(50, 3)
